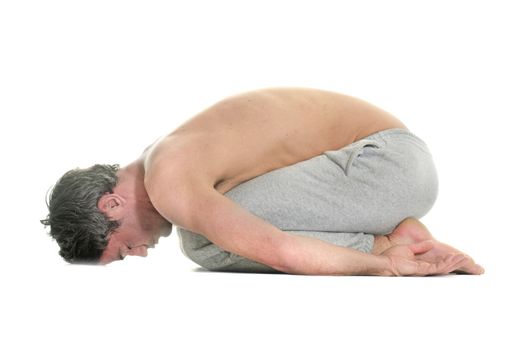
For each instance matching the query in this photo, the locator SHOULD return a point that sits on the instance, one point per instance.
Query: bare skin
(413, 231)
(275, 127)
(142, 225)
(181, 179)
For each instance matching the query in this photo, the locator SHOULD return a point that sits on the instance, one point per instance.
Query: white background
(84, 82)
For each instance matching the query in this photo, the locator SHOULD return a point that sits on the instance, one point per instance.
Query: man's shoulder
(173, 184)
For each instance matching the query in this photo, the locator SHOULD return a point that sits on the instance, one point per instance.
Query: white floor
(165, 301)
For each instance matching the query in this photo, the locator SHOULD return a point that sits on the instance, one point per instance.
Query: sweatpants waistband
(396, 133)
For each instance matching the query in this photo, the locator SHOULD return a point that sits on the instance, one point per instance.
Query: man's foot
(411, 230)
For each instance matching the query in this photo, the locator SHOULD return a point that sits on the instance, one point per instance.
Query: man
(365, 181)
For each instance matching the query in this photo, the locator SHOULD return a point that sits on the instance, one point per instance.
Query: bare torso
(247, 135)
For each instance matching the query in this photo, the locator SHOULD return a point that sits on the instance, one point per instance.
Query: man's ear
(112, 205)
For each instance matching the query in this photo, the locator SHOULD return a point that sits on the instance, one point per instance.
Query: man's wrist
(382, 266)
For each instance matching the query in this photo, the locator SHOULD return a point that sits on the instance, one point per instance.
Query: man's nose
(139, 251)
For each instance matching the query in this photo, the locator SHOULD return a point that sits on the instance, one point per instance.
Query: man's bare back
(250, 134)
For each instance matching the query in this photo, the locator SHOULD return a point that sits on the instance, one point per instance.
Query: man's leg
(343, 197)
(369, 186)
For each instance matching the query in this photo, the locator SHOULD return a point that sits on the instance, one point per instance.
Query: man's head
(102, 213)
(77, 224)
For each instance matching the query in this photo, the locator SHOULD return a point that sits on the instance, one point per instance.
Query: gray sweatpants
(343, 196)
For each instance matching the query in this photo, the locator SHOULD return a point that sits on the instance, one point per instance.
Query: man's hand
(418, 259)
(413, 231)
(439, 251)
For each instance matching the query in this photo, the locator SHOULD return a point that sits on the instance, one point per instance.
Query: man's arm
(200, 208)
(234, 229)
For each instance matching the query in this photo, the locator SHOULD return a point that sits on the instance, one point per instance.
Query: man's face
(129, 241)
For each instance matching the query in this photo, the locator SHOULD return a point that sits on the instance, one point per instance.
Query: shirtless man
(103, 213)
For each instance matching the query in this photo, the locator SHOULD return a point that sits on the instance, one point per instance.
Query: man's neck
(131, 181)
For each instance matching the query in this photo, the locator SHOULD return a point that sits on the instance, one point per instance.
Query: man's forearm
(238, 231)
(310, 256)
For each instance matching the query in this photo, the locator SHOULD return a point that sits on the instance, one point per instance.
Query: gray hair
(79, 227)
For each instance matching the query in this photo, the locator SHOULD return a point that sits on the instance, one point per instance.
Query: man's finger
(421, 247)
(450, 264)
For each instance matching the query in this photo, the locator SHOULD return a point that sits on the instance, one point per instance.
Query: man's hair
(79, 227)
